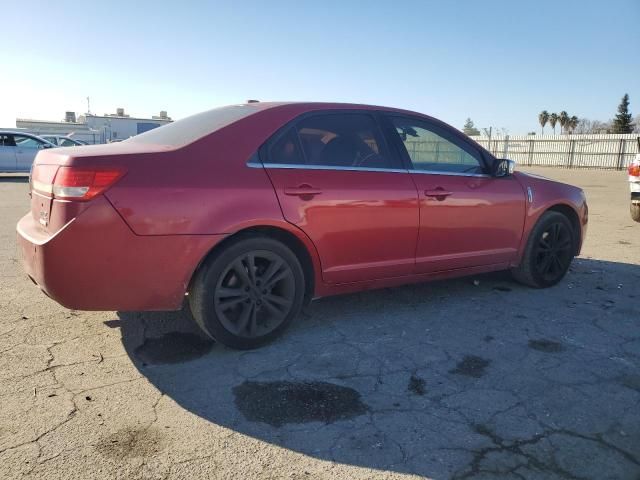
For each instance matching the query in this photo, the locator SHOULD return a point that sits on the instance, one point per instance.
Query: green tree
(543, 118)
(563, 119)
(622, 123)
(553, 119)
(469, 128)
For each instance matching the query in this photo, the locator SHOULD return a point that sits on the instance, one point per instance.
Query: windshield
(187, 130)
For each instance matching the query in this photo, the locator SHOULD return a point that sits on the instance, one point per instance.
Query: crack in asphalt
(533, 462)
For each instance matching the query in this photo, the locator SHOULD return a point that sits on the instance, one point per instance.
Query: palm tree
(543, 118)
(553, 119)
(563, 118)
(573, 123)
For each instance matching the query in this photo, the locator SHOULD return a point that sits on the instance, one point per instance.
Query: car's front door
(7, 153)
(335, 180)
(26, 150)
(468, 218)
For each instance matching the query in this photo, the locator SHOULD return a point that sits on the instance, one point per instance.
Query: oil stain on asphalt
(173, 347)
(631, 381)
(281, 402)
(130, 443)
(417, 385)
(471, 366)
(547, 346)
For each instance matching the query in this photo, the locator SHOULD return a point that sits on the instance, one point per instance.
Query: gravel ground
(441, 380)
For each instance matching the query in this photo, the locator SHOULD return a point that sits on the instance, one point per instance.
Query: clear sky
(498, 62)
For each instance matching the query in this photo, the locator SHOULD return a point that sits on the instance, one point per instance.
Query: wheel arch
(302, 247)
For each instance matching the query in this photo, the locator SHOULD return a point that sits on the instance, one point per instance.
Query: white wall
(120, 128)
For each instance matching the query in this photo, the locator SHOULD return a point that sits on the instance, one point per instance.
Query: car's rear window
(189, 129)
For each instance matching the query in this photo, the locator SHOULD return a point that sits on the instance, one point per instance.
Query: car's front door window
(431, 152)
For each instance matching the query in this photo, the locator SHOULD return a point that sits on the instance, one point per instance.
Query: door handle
(302, 191)
(439, 193)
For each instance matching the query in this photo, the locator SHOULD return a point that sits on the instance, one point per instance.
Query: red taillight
(78, 183)
(73, 183)
(634, 169)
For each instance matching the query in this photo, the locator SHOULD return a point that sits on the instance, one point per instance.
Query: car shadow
(444, 379)
(14, 178)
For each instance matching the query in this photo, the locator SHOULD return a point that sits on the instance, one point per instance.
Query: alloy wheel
(554, 252)
(255, 294)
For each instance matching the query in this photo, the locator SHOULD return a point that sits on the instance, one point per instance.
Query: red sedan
(252, 210)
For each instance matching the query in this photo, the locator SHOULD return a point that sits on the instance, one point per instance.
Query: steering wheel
(360, 161)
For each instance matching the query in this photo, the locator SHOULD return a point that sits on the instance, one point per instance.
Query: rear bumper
(95, 262)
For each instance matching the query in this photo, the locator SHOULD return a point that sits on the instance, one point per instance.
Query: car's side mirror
(504, 168)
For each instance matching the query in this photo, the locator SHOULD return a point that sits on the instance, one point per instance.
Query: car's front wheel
(248, 294)
(548, 253)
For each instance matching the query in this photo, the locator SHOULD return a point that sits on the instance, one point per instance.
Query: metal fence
(566, 151)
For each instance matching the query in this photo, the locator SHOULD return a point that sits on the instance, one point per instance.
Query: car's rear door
(7, 153)
(468, 218)
(335, 179)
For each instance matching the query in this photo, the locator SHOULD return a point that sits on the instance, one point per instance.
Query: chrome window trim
(325, 167)
(362, 169)
(455, 174)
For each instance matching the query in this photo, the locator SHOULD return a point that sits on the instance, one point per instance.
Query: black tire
(245, 307)
(550, 249)
(635, 211)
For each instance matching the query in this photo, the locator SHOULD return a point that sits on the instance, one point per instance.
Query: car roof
(299, 108)
(18, 132)
(312, 106)
(26, 134)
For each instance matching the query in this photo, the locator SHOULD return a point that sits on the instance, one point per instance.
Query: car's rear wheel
(548, 253)
(635, 211)
(249, 293)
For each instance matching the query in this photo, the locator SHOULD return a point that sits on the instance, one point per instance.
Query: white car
(17, 150)
(62, 141)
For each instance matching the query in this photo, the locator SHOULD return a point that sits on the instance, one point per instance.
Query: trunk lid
(52, 205)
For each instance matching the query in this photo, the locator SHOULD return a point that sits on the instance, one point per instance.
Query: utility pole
(88, 106)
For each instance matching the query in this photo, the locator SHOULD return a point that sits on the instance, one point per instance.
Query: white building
(95, 128)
